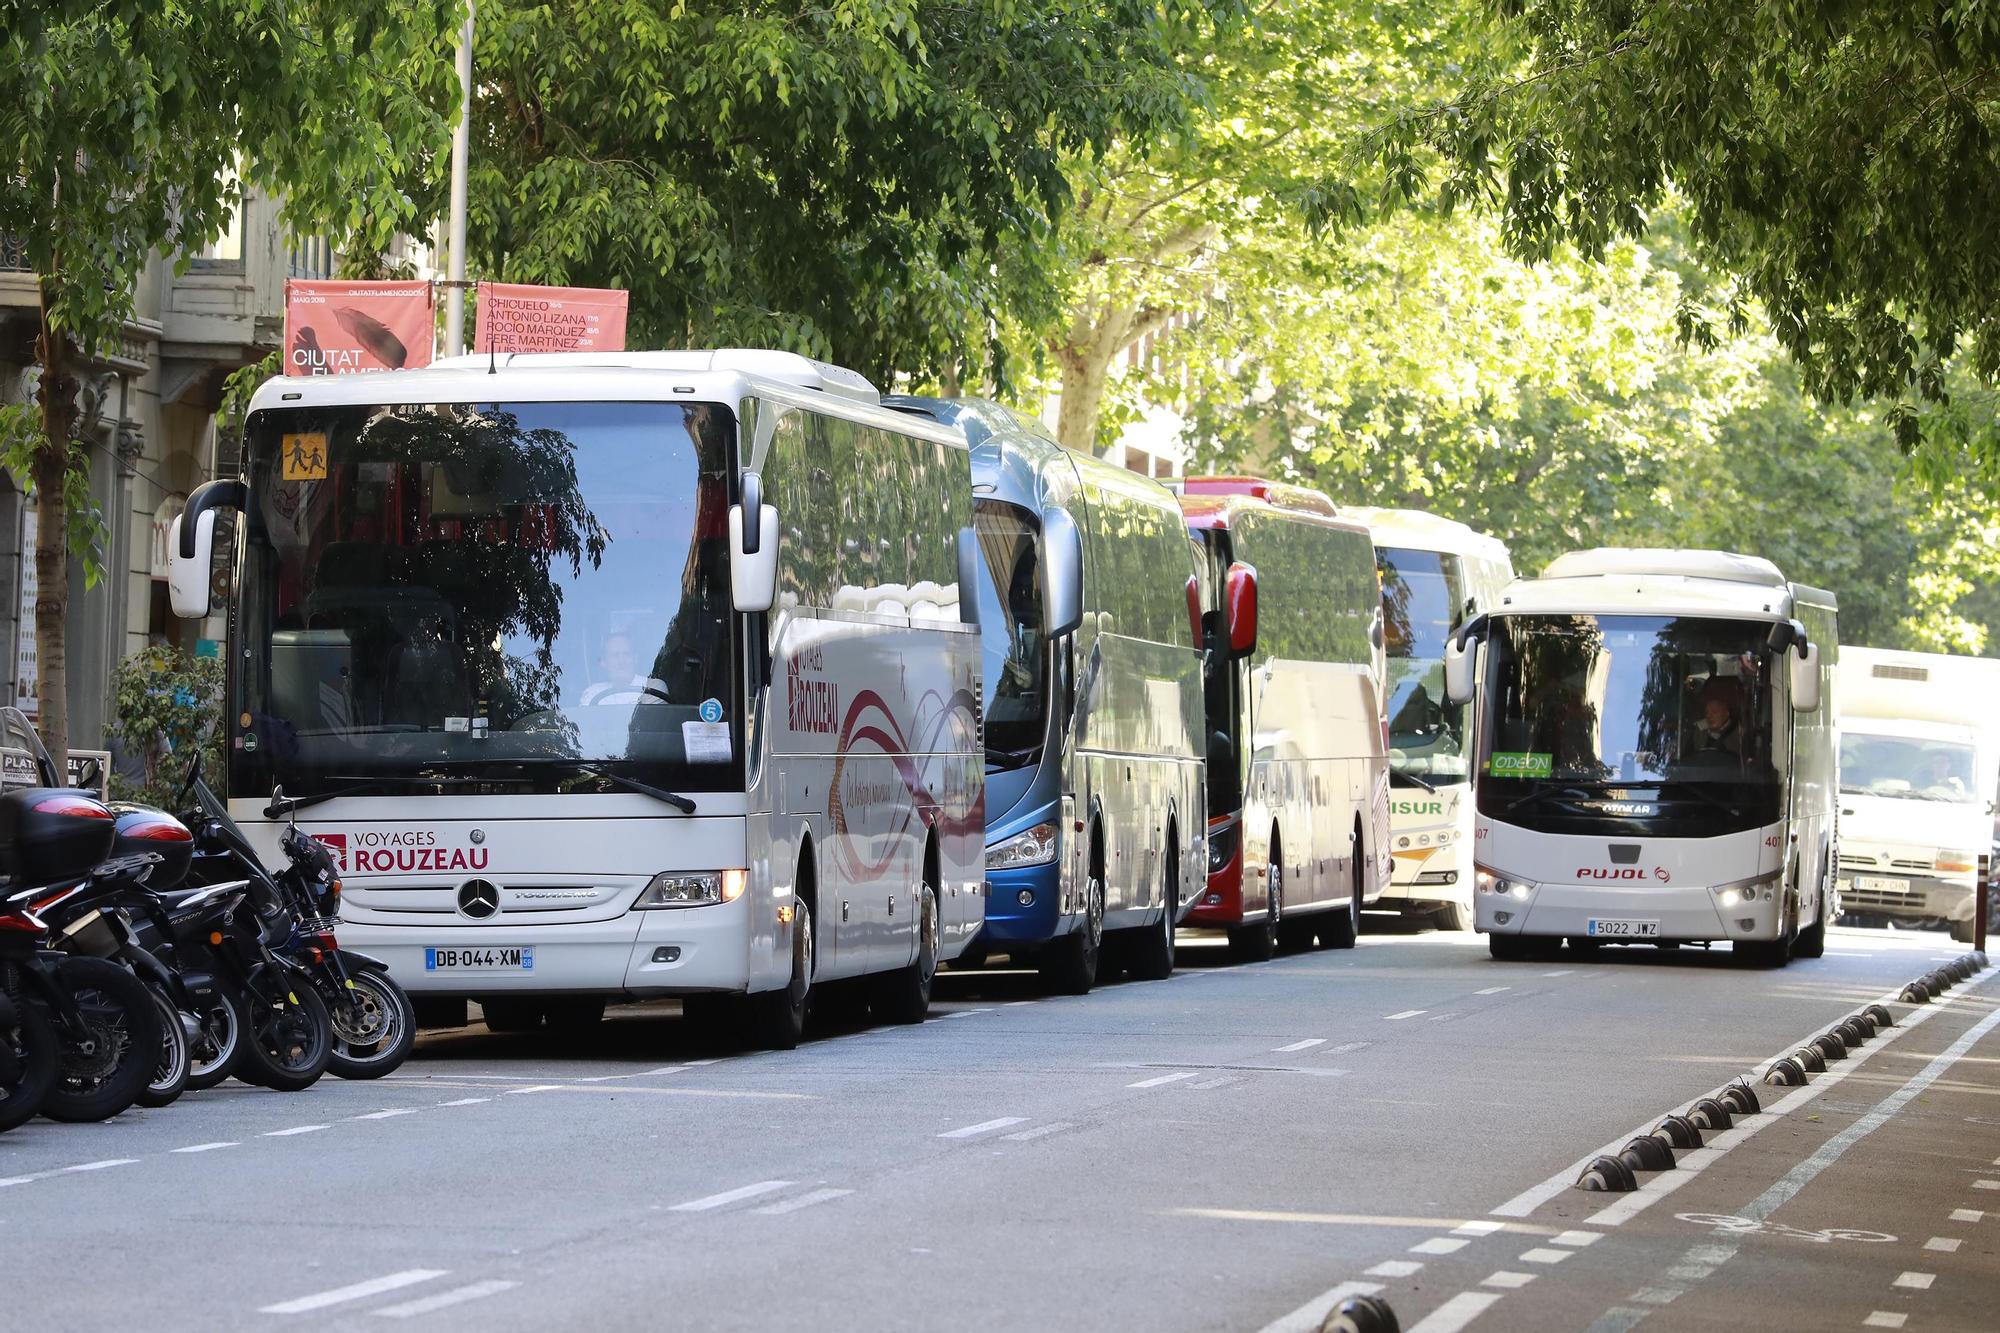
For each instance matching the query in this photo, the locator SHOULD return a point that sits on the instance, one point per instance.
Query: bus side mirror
(1194, 609)
(1240, 599)
(1805, 679)
(753, 548)
(1459, 660)
(191, 546)
(1062, 573)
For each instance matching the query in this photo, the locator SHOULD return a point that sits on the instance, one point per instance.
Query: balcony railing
(310, 257)
(14, 255)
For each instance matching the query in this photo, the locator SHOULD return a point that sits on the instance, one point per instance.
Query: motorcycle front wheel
(170, 1075)
(289, 1034)
(30, 1045)
(103, 1069)
(218, 1041)
(375, 1030)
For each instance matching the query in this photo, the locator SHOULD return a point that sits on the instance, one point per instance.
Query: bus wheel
(1069, 965)
(1453, 916)
(1258, 943)
(1811, 942)
(904, 996)
(1150, 956)
(777, 1019)
(1342, 927)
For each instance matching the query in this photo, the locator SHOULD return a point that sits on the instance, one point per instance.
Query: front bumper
(1009, 921)
(1926, 897)
(652, 953)
(1682, 913)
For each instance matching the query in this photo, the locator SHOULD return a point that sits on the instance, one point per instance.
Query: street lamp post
(454, 311)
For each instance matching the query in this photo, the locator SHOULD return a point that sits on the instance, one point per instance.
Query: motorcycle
(373, 1021)
(27, 1059)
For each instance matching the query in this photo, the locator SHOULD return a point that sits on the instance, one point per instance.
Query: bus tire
(1811, 942)
(1259, 943)
(1510, 948)
(776, 1020)
(904, 996)
(1343, 925)
(1453, 916)
(1150, 955)
(1069, 964)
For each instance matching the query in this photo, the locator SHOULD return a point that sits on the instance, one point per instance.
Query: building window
(224, 254)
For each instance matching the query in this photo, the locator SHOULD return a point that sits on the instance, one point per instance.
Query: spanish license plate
(510, 958)
(1881, 884)
(1620, 928)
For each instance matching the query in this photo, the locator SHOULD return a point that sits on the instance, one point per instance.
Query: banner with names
(518, 318)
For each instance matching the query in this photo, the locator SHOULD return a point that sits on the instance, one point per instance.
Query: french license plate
(512, 958)
(1881, 884)
(1620, 928)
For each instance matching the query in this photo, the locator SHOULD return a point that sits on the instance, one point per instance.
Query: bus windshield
(1666, 720)
(514, 594)
(1422, 592)
(1010, 618)
(1908, 767)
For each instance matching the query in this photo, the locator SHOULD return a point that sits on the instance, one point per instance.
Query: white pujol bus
(1656, 759)
(1436, 575)
(618, 675)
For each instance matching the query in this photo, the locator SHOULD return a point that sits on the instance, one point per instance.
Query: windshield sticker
(305, 456)
(706, 742)
(711, 710)
(458, 724)
(249, 742)
(1520, 765)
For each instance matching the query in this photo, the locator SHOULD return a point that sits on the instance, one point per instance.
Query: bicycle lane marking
(1701, 1261)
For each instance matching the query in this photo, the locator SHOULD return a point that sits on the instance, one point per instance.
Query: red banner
(337, 328)
(515, 318)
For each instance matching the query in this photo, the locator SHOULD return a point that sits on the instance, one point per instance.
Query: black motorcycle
(27, 1058)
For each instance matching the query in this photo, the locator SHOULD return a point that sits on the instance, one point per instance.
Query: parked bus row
(718, 675)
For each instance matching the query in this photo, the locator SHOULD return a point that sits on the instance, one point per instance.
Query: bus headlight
(1030, 847)
(1486, 881)
(699, 889)
(1763, 888)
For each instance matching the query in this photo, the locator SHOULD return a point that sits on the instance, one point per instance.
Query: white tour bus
(1656, 757)
(1436, 575)
(611, 675)
(1919, 777)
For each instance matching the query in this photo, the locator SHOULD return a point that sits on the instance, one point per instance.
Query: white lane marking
(1579, 1239)
(1543, 1255)
(803, 1201)
(727, 1197)
(1915, 1281)
(389, 1114)
(1024, 1135)
(1657, 1295)
(1482, 1228)
(1395, 1268)
(1563, 972)
(208, 1147)
(466, 1101)
(1407, 1013)
(1884, 1318)
(711, 1060)
(374, 1286)
(5, 1181)
(1943, 1244)
(1347, 1046)
(1305, 1045)
(444, 1299)
(1308, 1317)
(1492, 990)
(1225, 1080)
(1016, 1004)
(104, 1165)
(539, 1087)
(1456, 1313)
(1528, 1200)
(984, 1127)
(1848, 953)
(1986, 1184)
(1439, 1245)
(1164, 1079)
(295, 1129)
(644, 1073)
(1967, 1214)
(1507, 1280)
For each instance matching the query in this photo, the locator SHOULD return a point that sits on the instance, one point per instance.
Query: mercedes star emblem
(478, 898)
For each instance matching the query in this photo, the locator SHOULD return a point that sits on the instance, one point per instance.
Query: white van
(1919, 769)
(1655, 755)
(1436, 575)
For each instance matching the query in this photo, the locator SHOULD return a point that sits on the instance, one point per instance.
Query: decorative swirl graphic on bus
(947, 735)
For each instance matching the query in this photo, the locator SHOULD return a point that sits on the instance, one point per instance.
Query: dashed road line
(710, 1202)
(1456, 1313)
(1885, 1319)
(389, 1114)
(357, 1291)
(104, 1165)
(1967, 1214)
(1542, 1254)
(1439, 1245)
(1943, 1244)
(1164, 1079)
(208, 1147)
(802, 1201)
(1561, 972)
(985, 1126)
(1224, 1081)
(1305, 1045)
(466, 1101)
(1346, 1047)
(1986, 1184)
(1492, 990)
(1396, 1268)
(1915, 1281)
(1479, 1228)
(1577, 1239)
(295, 1129)
(1407, 1013)
(445, 1299)
(539, 1087)
(1508, 1280)
(1038, 1131)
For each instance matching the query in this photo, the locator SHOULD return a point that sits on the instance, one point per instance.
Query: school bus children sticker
(303, 456)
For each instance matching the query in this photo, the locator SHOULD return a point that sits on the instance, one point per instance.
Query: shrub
(164, 704)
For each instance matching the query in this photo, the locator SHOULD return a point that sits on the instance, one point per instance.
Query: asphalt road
(1234, 1148)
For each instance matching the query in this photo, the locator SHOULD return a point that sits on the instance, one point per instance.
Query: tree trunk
(1083, 377)
(57, 396)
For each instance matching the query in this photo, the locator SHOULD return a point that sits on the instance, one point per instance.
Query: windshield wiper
(1541, 794)
(616, 779)
(1405, 775)
(282, 804)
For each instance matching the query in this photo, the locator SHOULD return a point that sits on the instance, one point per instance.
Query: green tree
(125, 126)
(166, 707)
(836, 179)
(1837, 159)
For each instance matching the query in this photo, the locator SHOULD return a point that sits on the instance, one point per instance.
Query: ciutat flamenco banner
(339, 328)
